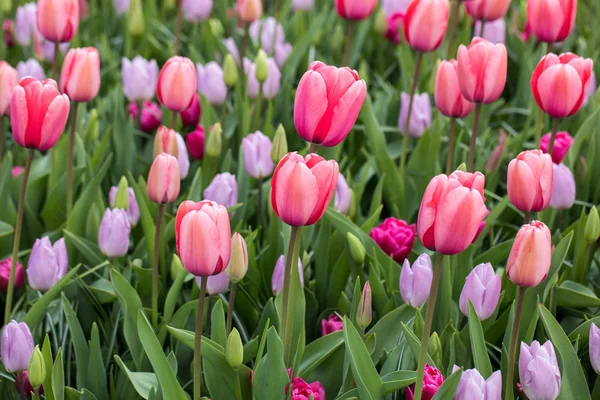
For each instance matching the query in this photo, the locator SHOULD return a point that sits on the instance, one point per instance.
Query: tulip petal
(345, 113)
(310, 104)
(54, 122)
(326, 174)
(19, 115)
(196, 244)
(294, 181)
(560, 90)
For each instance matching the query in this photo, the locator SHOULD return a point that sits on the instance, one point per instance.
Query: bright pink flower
(425, 24)
(395, 237)
(551, 20)
(355, 10)
(195, 143)
(306, 391)
(562, 144)
(177, 84)
(191, 115)
(529, 181)
(448, 97)
(394, 28)
(432, 381)
(5, 274)
(58, 20)
(331, 324)
(151, 116)
(80, 74)
(8, 80)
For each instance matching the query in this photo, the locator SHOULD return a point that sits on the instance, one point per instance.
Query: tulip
(113, 236)
(451, 212)
(196, 10)
(595, 347)
(211, 83)
(591, 90)
(539, 372)
(415, 281)
(232, 49)
(238, 263)
(355, 10)
(215, 284)
(5, 274)
(551, 21)
(395, 237)
(38, 113)
(80, 74)
(26, 25)
(560, 83)
(165, 141)
(432, 381)
(182, 157)
(282, 52)
(257, 155)
(47, 264)
(17, 346)
(30, 67)
(529, 180)
(472, 386)
(151, 116)
(26, 384)
(306, 391)
(420, 117)
(203, 237)
(529, 260)
(591, 232)
(139, 78)
(195, 143)
(487, 10)
(135, 18)
(392, 27)
(223, 189)
(177, 83)
(343, 195)
(8, 81)
(493, 31)
(482, 288)
(302, 5)
(302, 188)
(271, 85)
(482, 70)
(278, 275)
(267, 33)
(331, 324)
(7, 29)
(327, 103)
(563, 187)
(425, 24)
(49, 48)
(562, 144)
(133, 210)
(248, 10)
(164, 179)
(364, 313)
(448, 97)
(58, 20)
(121, 6)
(191, 116)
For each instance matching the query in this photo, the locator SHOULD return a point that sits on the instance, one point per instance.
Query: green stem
(198, 340)
(481, 28)
(178, 23)
(313, 148)
(513, 344)
(174, 119)
(140, 105)
(243, 47)
(555, 122)
(452, 28)
(70, 161)
(36, 394)
(258, 108)
(230, 306)
(437, 272)
(450, 156)
(472, 149)
(409, 112)
(55, 62)
(22, 385)
(259, 203)
(349, 36)
(1, 137)
(156, 262)
(17, 238)
(538, 128)
(291, 259)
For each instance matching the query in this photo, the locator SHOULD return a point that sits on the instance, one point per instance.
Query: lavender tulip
(302, 5)
(482, 287)
(591, 90)
(279, 272)
(182, 157)
(215, 284)
(472, 386)
(139, 78)
(196, 10)
(257, 155)
(133, 211)
(391, 7)
(223, 189)
(539, 372)
(343, 195)
(415, 281)
(30, 67)
(121, 6)
(595, 347)
(563, 187)
(25, 24)
(113, 236)
(232, 48)
(270, 87)
(49, 48)
(17, 346)
(420, 117)
(493, 31)
(267, 32)
(47, 264)
(282, 52)
(210, 82)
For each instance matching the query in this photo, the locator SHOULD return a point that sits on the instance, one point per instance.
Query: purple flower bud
(17, 346)
(121, 6)
(210, 82)
(257, 155)
(302, 5)
(47, 264)
(331, 324)
(282, 52)
(232, 48)
(493, 31)
(472, 386)
(223, 189)
(591, 90)
(270, 87)
(482, 288)
(343, 196)
(139, 78)
(595, 347)
(133, 211)
(279, 272)
(539, 372)
(25, 24)
(563, 187)
(420, 117)
(196, 10)
(415, 281)
(182, 157)
(270, 31)
(30, 67)
(113, 236)
(216, 284)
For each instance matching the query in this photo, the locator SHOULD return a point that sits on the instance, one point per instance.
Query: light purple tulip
(391, 7)
(270, 87)
(591, 90)
(267, 32)
(47, 264)
(211, 83)
(595, 347)
(279, 273)
(343, 195)
(302, 5)
(415, 281)
(139, 78)
(253, 84)
(25, 24)
(563, 187)
(420, 117)
(216, 284)
(482, 287)
(133, 210)
(232, 48)
(30, 67)
(121, 6)
(113, 235)
(182, 157)
(539, 372)
(17, 346)
(493, 31)
(472, 386)
(282, 52)
(49, 48)
(196, 10)
(223, 189)
(257, 155)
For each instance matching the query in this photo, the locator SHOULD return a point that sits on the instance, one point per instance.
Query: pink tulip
(331, 324)
(195, 143)
(177, 83)
(8, 81)
(80, 74)
(432, 381)
(163, 179)
(531, 254)
(551, 21)
(487, 10)
(562, 144)
(355, 10)
(151, 115)
(529, 181)
(448, 97)
(425, 24)
(58, 20)
(5, 266)
(248, 10)
(165, 141)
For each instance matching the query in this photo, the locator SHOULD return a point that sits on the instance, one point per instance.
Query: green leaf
(47, 353)
(96, 371)
(218, 329)
(398, 380)
(143, 382)
(573, 294)
(414, 343)
(388, 329)
(79, 344)
(89, 251)
(448, 388)
(367, 379)
(145, 216)
(320, 350)
(58, 377)
(480, 354)
(270, 377)
(5, 229)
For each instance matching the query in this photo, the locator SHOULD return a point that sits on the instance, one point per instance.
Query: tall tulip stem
(539, 124)
(174, 120)
(178, 24)
(452, 28)
(413, 89)
(555, 122)
(472, 149)
(230, 306)
(36, 394)
(198, 340)
(437, 272)
(349, 36)
(17, 238)
(1, 137)
(259, 202)
(55, 62)
(287, 321)
(450, 156)
(159, 218)
(70, 161)
(513, 343)
(313, 148)
(138, 122)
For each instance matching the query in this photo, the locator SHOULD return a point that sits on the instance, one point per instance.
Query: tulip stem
(178, 23)
(287, 321)
(313, 148)
(437, 272)
(243, 46)
(17, 238)
(450, 156)
(349, 36)
(159, 218)
(70, 161)
(413, 88)
(452, 28)
(513, 343)
(481, 28)
(173, 120)
(22, 385)
(538, 128)
(259, 203)
(140, 106)
(555, 122)
(471, 161)
(230, 306)
(198, 340)
(55, 62)
(36, 394)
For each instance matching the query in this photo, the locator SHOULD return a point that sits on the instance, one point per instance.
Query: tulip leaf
(218, 330)
(90, 251)
(573, 294)
(79, 343)
(5, 229)
(415, 343)
(143, 382)
(397, 380)
(58, 377)
(320, 350)
(96, 372)
(478, 346)
(47, 354)
(388, 329)
(146, 218)
(270, 377)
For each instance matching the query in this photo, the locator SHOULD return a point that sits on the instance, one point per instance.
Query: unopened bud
(234, 350)
(136, 18)
(356, 247)
(122, 196)
(262, 67)
(280, 146)
(238, 263)
(36, 373)
(380, 25)
(214, 143)
(592, 226)
(216, 27)
(230, 71)
(462, 167)
(364, 314)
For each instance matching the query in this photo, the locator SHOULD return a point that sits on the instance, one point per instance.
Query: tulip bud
(257, 155)
(280, 146)
(595, 347)
(7, 6)
(214, 143)
(462, 167)
(364, 314)
(356, 247)
(434, 348)
(482, 288)
(133, 210)
(278, 275)
(36, 373)
(363, 70)
(122, 195)
(539, 371)
(165, 141)
(136, 18)
(343, 195)
(238, 264)
(592, 226)
(113, 235)
(262, 68)
(380, 25)
(353, 205)
(176, 266)
(415, 281)
(531, 254)
(164, 179)
(16, 347)
(234, 350)
(230, 71)
(216, 27)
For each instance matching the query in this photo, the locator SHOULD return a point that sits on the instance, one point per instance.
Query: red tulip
(531, 254)
(164, 179)
(58, 20)
(8, 80)
(355, 10)
(487, 10)
(425, 24)
(529, 181)
(177, 84)
(448, 97)
(80, 74)
(551, 20)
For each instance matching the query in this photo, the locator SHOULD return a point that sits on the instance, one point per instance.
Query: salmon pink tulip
(448, 97)
(165, 141)
(8, 81)
(177, 84)
(248, 10)
(425, 24)
(551, 21)
(487, 10)
(58, 20)
(529, 260)
(80, 74)
(355, 10)
(529, 180)
(164, 179)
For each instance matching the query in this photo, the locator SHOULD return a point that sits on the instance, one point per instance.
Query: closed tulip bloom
(451, 212)
(38, 113)
(223, 190)
(493, 31)
(432, 381)
(560, 83)
(591, 90)
(30, 67)
(529, 260)
(133, 210)
(302, 5)
(182, 157)
(177, 83)
(113, 235)
(539, 372)
(191, 116)
(482, 70)
(7, 29)
(551, 21)
(562, 144)
(58, 20)
(415, 281)
(203, 237)
(139, 78)
(302, 188)
(355, 10)
(472, 386)
(164, 179)
(529, 181)
(47, 263)
(26, 24)
(121, 6)
(5, 266)
(448, 97)
(215, 284)
(595, 347)
(80, 74)
(425, 24)
(343, 195)
(563, 187)
(165, 141)
(196, 10)
(17, 346)
(248, 10)
(195, 142)
(282, 52)
(420, 118)
(268, 32)
(482, 288)
(210, 82)
(151, 116)
(487, 10)
(331, 324)
(279, 272)
(238, 263)
(327, 103)
(8, 81)
(395, 237)
(257, 155)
